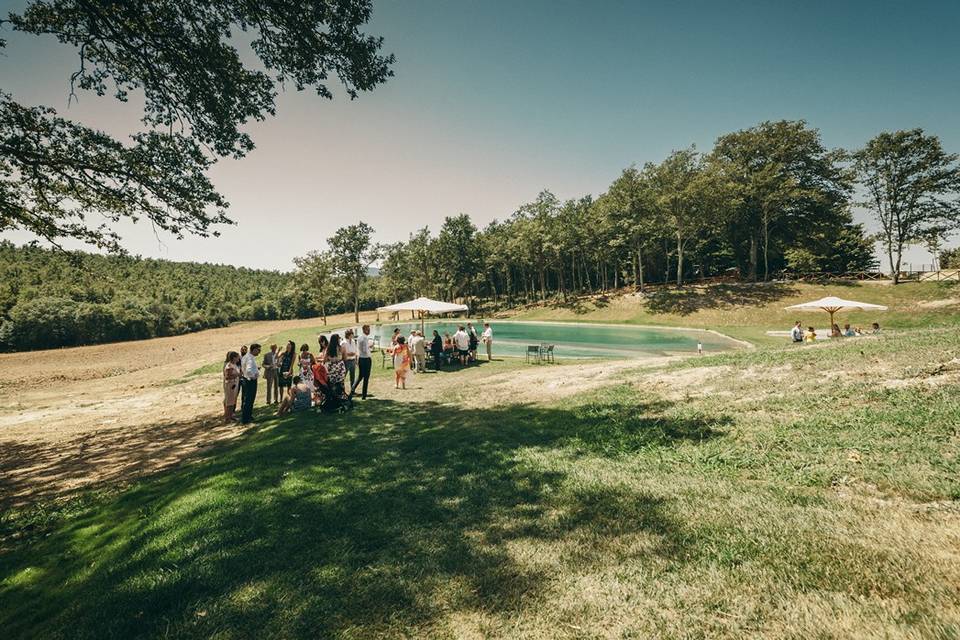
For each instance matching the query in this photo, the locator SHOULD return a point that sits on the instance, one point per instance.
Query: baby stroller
(335, 396)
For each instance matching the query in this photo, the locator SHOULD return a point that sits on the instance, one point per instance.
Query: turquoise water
(578, 340)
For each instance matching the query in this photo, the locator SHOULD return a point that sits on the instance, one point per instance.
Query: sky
(493, 102)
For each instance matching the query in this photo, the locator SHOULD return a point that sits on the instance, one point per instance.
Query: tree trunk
(640, 265)
(753, 258)
(679, 261)
(894, 266)
(356, 306)
(766, 243)
(896, 273)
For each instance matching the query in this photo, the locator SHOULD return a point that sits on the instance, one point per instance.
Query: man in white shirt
(418, 347)
(796, 334)
(487, 338)
(462, 343)
(249, 373)
(364, 360)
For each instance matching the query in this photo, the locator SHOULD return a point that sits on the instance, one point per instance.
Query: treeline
(762, 200)
(55, 299)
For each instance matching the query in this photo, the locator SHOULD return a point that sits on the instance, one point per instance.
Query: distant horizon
(493, 103)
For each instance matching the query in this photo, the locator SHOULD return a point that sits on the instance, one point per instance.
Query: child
(811, 335)
(401, 361)
(297, 398)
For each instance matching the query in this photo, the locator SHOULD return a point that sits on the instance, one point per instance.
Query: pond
(575, 340)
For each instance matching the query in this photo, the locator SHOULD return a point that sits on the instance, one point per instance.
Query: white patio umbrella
(832, 304)
(424, 306)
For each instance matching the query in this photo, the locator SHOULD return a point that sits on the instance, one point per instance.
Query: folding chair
(534, 351)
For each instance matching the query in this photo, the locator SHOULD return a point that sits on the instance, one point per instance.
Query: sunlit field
(794, 491)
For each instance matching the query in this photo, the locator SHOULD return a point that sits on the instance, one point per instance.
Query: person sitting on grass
(796, 334)
(847, 331)
(875, 328)
(835, 331)
(810, 336)
(296, 399)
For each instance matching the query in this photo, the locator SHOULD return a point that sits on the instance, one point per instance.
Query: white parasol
(832, 304)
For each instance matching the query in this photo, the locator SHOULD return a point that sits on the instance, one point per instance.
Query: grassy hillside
(809, 491)
(747, 311)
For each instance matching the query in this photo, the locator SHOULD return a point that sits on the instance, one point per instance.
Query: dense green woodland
(53, 299)
(764, 200)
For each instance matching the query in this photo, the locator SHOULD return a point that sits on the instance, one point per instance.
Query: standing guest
(796, 334)
(243, 354)
(348, 353)
(364, 361)
(436, 348)
(396, 334)
(285, 366)
(306, 366)
(418, 348)
(462, 343)
(488, 340)
(473, 341)
(250, 372)
(231, 384)
(401, 361)
(323, 342)
(270, 375)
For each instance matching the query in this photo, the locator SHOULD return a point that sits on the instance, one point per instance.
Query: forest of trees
(763, 200)
(55, 299)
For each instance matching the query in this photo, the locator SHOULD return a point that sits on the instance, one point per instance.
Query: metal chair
(534, 351)
(548, 354)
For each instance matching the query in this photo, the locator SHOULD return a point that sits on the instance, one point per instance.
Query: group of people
(410, 353)
(797, 334)
(298, 380)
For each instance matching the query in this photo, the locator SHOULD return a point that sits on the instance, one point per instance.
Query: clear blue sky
(494, 101)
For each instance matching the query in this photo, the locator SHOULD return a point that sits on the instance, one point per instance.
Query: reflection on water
(575, 340)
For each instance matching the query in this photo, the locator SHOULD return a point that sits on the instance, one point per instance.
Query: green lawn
(792, 492)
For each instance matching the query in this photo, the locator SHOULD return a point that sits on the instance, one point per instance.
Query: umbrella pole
(421, 322)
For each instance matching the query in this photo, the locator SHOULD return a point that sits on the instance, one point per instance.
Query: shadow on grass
(685, 301)
(371, 523)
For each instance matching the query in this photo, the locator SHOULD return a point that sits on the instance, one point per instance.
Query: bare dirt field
(109, 413)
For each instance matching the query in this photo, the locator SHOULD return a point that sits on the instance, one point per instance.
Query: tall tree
(913, 189)
(316, 275)
(457, 254)
(59, 179)
(632, 198)
(679, 198)
(784, 179)
(352, 251)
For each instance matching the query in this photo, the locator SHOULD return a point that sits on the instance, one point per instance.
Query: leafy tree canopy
(60, 179)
